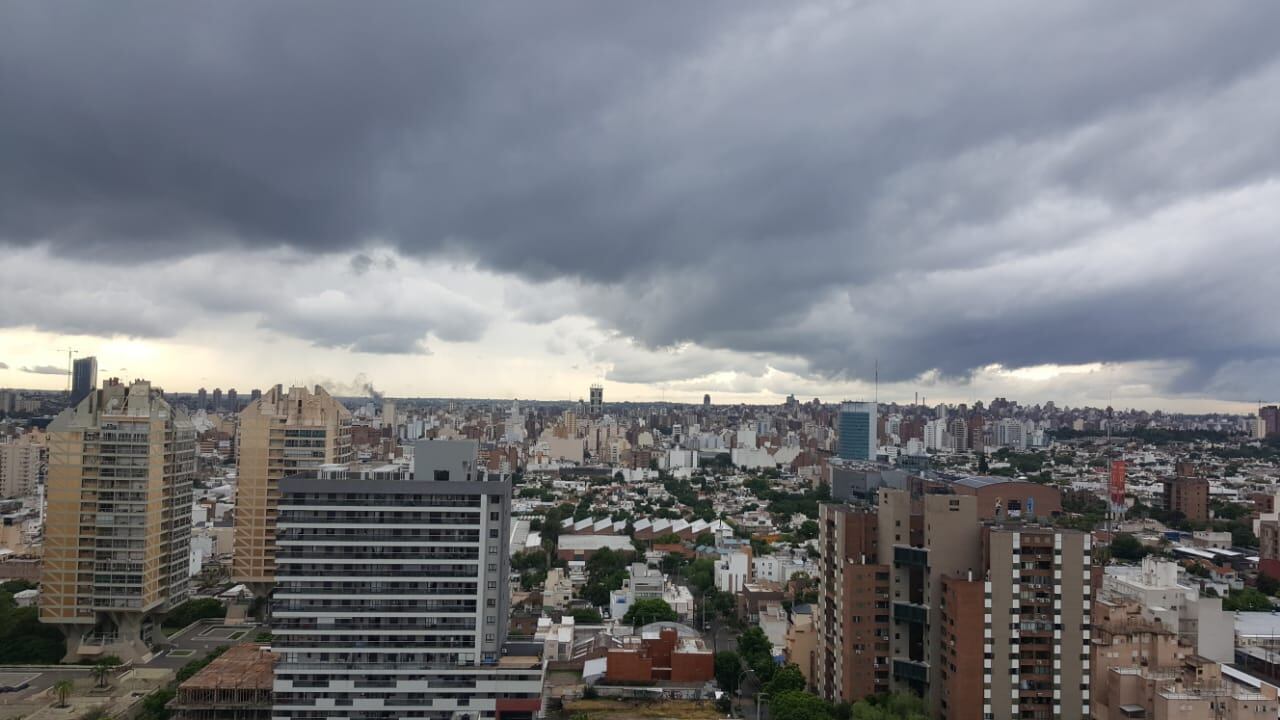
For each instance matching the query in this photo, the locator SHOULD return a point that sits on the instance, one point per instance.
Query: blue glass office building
(856, 427)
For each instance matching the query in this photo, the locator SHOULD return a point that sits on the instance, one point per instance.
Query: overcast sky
(1068, 201)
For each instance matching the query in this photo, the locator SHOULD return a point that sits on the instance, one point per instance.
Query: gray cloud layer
(939, 187)
(44, 370)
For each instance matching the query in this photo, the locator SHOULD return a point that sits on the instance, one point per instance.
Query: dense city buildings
(392, 597)
(118, 529)
(281, 434)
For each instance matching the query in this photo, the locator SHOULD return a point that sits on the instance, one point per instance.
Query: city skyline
(458, 201)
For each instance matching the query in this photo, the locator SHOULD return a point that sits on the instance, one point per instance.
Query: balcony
(904, 556)
(910, 613)
(911, 671)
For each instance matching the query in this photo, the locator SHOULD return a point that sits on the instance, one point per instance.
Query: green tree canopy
(799, 705)
(1247, 600)
(649, 610)
(785, 679)
(728, 670)
(1127, 547)
(897, 706)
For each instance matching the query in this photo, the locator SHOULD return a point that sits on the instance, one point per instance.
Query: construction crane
(70, 367)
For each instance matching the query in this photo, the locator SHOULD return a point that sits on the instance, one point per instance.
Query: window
(490, 620)
(441, 476)
(494, 516)
(493, 549)
(493, 533)
(491, 602)
(493, 567)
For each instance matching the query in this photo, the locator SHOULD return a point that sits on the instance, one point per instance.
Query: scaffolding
(235, 686)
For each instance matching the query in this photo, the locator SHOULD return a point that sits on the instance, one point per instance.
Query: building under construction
(235, 686)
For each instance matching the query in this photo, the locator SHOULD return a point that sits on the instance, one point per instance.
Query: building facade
(84, 378)
(852, 653)
(118, 528)
(392, 593)
(1189, 496)
(281, 434)
(982, 619)
(857, 431)
(20, 464)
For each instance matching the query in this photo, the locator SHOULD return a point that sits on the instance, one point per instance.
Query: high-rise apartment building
(233, 401)
(84, 378)
(217, 399)
(1189, 496)
(856, 430)
(392, 595)
(202, 399)
(1010, 433)
(852, 657)
(1032, 607)
(958, 431)
(281, 434)
(118, 529)
(597, 400)
(20, 464)
(983, 620)
(1269, 421)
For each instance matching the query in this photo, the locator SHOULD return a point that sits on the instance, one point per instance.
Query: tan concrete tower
(280, 435)
(118, 531)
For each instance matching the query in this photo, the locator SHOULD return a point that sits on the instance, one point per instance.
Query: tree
(798, 705)
(701, 575)
(1127, 547)
(754, 643)
(649, 610)
(785, 679)
(983, 466)
(193, 610)
(1246, 600)
(896, 706)
(757, 653)
(101, 671)
(586, 616)
(63, 689)
(728, 671)
(808, 530)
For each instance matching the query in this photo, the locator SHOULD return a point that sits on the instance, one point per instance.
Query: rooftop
(246, 666)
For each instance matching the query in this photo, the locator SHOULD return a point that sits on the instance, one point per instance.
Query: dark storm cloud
(837, 184)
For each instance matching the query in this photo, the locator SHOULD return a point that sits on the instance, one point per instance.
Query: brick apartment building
(663, 656)
(984, 619)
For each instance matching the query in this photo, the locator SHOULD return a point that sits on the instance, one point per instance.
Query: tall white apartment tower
(391, 595)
